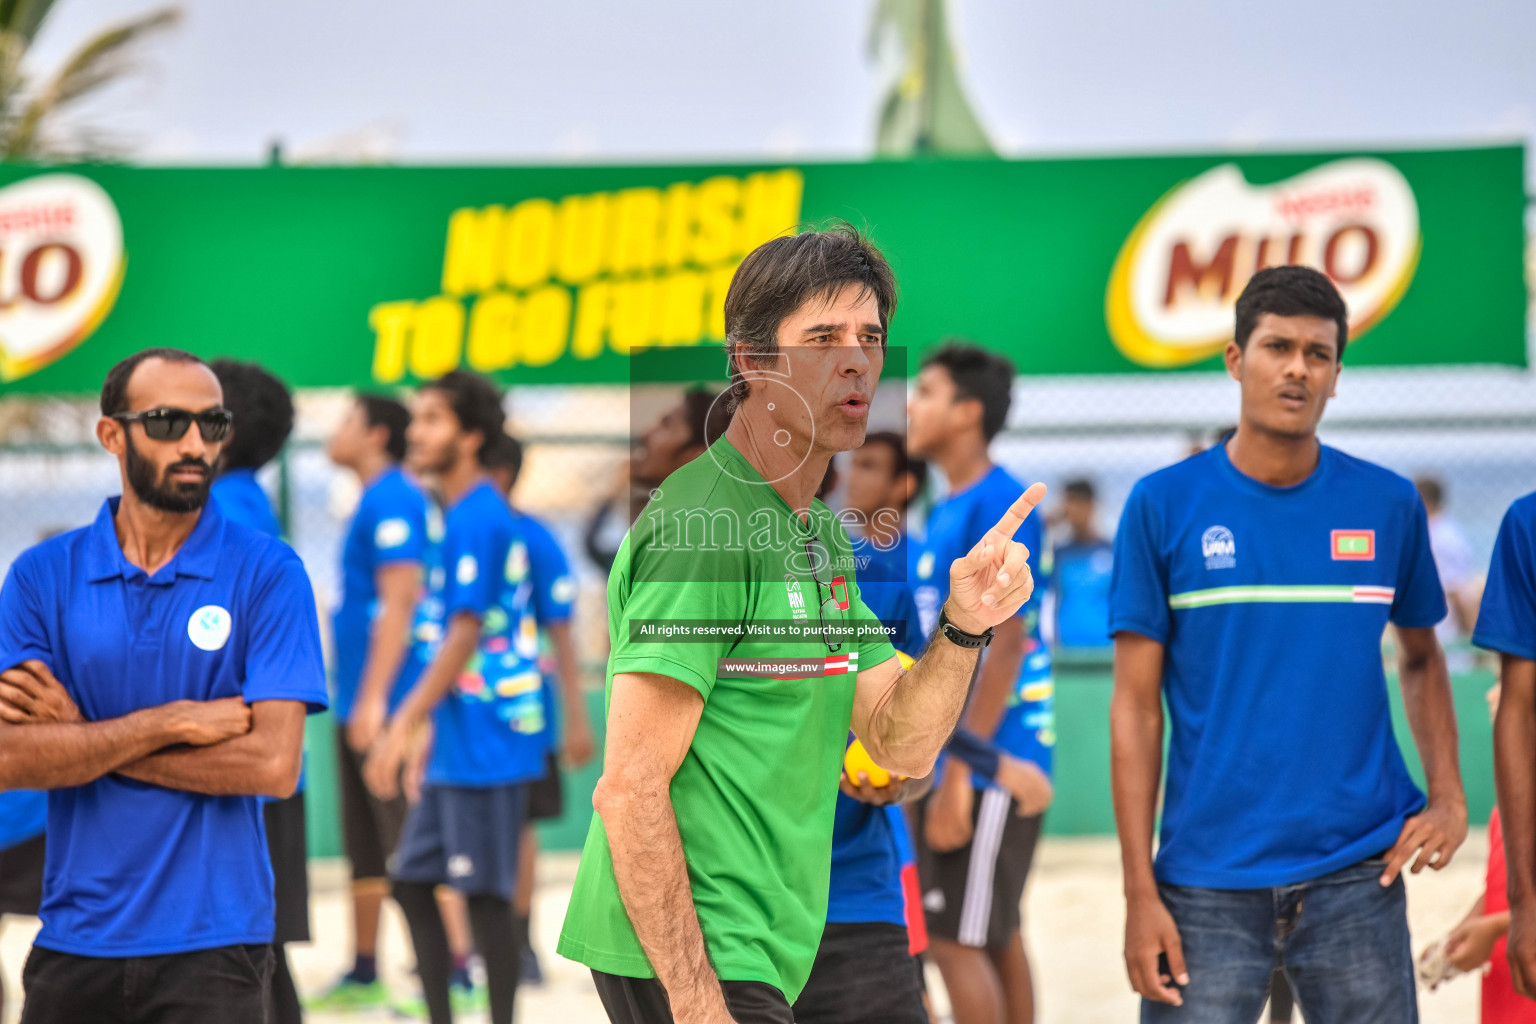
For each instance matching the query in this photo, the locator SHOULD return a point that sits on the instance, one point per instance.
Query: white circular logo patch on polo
(208, 628)
(391, 533)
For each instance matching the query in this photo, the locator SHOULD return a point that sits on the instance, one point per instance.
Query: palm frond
(23, 17)
(100, 61)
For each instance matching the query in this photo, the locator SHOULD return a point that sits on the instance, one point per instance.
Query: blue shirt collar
(198, 556)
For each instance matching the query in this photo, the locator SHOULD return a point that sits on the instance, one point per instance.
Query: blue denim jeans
(1342, 941)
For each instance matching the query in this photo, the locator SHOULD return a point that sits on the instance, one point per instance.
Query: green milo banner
(379, 276)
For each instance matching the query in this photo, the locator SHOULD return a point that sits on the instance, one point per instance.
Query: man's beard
(447, 459)
(165, 494)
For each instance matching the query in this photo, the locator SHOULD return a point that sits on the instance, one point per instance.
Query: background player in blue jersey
(975, 849)
(263, 411)
(567, 734)
(1252, 585)
(1081, 564)
(1507, 623)
(476, 659)
(164, 658)
(22, 819)
(866, 968)
(381, 578)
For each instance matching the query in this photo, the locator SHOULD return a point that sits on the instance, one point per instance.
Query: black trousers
(644, 1001)
(863, 973)
(228, 985)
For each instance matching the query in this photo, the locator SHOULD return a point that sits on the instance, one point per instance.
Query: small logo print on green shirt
(1354, 545)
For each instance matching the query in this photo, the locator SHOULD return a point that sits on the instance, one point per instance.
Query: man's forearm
(652, 876)
(436, 680)
(61, 755)
(1431, 714)
(244, 766)
(1514, 737)
(568, 670)
(996, 680)
(1136, 767)
(919, 712)
(387, 649)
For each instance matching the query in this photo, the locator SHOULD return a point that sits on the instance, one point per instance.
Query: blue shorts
(465, 838)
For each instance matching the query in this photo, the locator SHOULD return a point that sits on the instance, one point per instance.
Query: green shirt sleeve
(675, 613)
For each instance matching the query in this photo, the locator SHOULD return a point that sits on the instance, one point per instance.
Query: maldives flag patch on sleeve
(1354, 545)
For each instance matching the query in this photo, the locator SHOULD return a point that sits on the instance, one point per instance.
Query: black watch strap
(959, 637)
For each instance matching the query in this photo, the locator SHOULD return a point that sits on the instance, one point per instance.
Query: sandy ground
(1073, 918)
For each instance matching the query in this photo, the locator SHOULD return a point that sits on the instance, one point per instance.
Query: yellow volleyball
(857, 760)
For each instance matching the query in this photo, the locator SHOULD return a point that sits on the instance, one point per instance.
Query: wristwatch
(959, 637)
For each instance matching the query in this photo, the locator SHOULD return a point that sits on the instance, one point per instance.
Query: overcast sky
(488, 81)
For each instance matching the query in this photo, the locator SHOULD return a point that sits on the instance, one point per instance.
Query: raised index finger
(1020, 510)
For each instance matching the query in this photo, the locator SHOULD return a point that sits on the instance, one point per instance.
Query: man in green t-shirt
(743, 652)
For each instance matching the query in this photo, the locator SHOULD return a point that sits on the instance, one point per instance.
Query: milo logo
(61, 265)
(1178, 274)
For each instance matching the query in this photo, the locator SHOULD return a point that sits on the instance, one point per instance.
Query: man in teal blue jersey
(1252, 584)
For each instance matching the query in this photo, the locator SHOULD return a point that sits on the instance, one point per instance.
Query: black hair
(1290, 291)
(475, 401)
(263, 411)
(1431, 491)
(979, 374)
(114, 390)
(780, 275)
(393, 416)
(504, 452)
(1079, 489)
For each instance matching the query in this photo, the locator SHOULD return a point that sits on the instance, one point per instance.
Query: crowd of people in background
(457, 698)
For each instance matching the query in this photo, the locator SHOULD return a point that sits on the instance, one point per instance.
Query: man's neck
(964, 461)
(1274, 459)
(1087, 535)
(150, 537)
(459, 480)
(794, 470)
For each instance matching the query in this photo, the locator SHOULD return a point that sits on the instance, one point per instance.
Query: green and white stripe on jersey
(1287, 594)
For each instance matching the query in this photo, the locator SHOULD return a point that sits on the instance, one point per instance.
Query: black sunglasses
(171, 424)
(816, 553)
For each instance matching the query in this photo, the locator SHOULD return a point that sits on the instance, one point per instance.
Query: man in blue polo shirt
(974, 847)
(476, 660)
(167, 658)
(1252, 585)
(381, 578)
(1506, 623)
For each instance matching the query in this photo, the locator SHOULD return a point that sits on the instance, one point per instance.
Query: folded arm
(265, 761)
(45, 743)
(58, 755)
